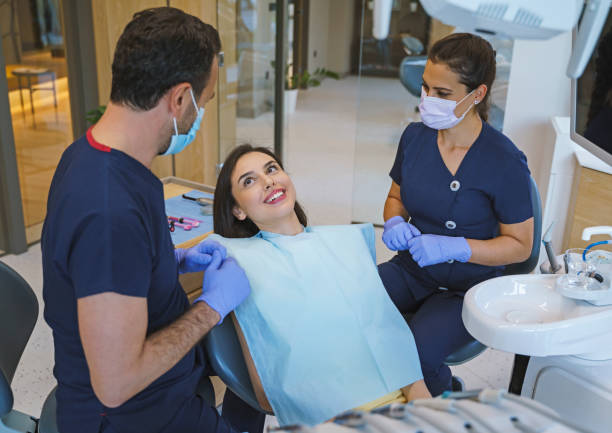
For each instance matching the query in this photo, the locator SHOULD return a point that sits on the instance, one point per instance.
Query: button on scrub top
(490, 186)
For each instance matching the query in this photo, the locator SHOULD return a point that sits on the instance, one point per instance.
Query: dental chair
(411, 73)
(18, 314)
(225, 354)
(475, 348)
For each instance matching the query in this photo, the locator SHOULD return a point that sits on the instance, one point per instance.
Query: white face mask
(438, 113)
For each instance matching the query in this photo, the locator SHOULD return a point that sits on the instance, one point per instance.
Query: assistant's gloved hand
(197, 258)
(433, 249)
(225, 285)
(398, 232)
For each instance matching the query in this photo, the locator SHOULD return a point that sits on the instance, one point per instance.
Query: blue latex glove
(433, 249)
(398, 232)
(197, 258)
(225, 285)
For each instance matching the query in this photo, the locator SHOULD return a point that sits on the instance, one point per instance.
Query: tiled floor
(320, 156)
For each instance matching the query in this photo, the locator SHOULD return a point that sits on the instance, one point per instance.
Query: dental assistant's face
(263, 191)
(441, 82)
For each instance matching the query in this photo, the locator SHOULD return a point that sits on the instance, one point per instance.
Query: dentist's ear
(239, 213)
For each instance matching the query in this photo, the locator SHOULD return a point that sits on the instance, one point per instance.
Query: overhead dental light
(382, 18)
(517, 19)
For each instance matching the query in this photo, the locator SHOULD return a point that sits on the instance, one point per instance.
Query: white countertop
(588, 160)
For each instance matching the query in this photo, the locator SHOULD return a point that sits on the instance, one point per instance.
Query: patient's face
(262, 190)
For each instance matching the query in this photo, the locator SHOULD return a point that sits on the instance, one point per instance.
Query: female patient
(344, 337)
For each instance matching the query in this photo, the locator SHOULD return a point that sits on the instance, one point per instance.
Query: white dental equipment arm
(382, 18)
(516, 19)
(596, 230)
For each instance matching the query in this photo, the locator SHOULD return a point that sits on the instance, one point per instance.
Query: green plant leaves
(94, 115)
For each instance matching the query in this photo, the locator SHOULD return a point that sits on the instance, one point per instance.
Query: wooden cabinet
(590, 205)
(198, 161)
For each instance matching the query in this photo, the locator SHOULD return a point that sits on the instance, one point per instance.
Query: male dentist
(127, 357)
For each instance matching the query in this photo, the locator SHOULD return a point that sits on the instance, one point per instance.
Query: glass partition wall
(249, 33)
(36, 74)
(390, 76)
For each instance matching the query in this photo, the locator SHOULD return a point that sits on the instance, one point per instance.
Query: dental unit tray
(594, 293)
(598, 290)
(478, 411)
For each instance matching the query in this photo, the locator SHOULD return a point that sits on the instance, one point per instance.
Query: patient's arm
(253, 375)
(416, 390)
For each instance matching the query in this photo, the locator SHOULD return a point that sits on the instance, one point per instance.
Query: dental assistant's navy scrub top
(106, 231)
(490, 186)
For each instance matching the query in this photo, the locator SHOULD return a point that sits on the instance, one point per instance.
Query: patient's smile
(275, 196)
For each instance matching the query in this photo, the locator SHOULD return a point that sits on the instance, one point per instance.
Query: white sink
(524, 314)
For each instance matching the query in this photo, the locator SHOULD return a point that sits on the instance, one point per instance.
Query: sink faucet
(596, 230)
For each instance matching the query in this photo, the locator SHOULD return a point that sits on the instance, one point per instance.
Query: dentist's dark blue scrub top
(490, 186)
(106, 231)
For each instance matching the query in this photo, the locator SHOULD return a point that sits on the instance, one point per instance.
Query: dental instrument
(177, 222)
(486, 411)
(185, 220)
(434, 419)
(553, 266)
(586, 250)
(495, 396)
(202, 201)
(456, 407)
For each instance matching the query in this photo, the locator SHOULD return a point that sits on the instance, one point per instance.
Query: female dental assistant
(459, 207)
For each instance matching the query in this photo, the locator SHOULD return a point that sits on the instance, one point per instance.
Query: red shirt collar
(93, 143)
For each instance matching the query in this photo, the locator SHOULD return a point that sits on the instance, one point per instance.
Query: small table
(28, 74)
(173, 186)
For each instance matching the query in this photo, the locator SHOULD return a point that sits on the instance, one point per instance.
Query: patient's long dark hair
(225, 223)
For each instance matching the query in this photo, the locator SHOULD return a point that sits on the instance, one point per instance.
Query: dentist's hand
(433, 249)
(198, 258)
(398, 232)
(225, 285)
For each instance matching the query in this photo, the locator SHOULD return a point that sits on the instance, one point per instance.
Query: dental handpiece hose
(554, 266)
(552, 259)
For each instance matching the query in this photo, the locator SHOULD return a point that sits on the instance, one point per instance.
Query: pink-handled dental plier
(184, 222)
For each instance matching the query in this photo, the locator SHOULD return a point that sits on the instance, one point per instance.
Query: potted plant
(94, 115)
(304, 81)
(294, 82)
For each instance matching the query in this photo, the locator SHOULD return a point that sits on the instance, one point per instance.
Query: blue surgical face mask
(181, 141)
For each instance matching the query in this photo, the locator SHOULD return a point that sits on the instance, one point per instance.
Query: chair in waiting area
(411, 73)
(225, 353)
(18, 314)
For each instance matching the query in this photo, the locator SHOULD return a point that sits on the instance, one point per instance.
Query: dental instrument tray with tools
(183, 212)
(454, 412)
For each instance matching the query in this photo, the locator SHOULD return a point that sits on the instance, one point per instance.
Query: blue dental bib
(324, 335)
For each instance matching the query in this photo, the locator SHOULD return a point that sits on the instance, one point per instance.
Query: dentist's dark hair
(225, 223)
(158, 49)
(472, 58)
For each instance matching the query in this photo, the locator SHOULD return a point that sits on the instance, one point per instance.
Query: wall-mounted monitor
(592, 99)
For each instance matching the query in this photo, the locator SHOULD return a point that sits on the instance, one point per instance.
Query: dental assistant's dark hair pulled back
(472, 58)
(160, 48)
(225, 223)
